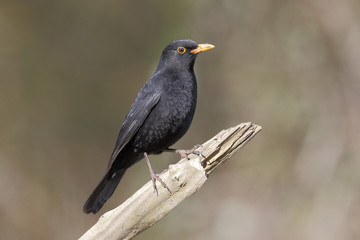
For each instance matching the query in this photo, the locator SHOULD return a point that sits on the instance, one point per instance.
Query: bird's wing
(139, 111)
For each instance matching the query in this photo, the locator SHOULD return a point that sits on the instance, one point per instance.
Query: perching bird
(160, 115)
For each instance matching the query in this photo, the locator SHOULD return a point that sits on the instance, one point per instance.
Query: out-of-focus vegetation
(69, 71)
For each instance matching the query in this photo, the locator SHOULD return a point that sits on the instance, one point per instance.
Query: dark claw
(185, 153)
(197, 146)
(199, 153)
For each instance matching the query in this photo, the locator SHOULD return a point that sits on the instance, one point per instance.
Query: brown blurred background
(69, 71)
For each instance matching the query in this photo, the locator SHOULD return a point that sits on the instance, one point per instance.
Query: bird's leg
(184, 153)
(154, 176)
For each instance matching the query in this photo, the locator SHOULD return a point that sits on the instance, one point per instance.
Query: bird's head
(182, 54)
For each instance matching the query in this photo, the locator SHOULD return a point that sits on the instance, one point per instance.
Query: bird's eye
(181, 50)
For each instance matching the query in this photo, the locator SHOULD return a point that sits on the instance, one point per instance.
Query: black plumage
(160, 115)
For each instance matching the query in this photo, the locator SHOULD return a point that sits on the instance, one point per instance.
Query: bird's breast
(170, 118)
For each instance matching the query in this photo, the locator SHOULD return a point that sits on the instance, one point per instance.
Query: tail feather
(103, 191)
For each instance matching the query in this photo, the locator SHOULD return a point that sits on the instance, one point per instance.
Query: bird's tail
(103, 191)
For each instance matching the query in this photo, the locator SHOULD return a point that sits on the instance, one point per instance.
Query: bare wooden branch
(145, 208)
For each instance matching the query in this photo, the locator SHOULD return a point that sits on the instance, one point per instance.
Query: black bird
(160, 115)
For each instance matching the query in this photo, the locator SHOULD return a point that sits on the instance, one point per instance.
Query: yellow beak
(202, 48)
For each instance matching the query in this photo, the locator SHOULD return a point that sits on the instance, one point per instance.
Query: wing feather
(139, 111)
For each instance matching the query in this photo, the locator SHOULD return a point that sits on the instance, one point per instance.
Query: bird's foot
(155, 177)
(184, 153)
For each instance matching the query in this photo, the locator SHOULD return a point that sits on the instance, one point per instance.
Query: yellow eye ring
(181, 50)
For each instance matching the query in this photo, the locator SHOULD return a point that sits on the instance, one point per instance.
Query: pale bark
(145, 208)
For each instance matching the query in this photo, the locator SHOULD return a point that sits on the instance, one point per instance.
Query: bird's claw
(185, 153)
(199, 153)
(155, 177)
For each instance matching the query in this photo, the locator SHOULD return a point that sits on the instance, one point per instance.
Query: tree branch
(145, 208)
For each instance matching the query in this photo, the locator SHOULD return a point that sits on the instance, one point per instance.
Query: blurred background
(69, 71)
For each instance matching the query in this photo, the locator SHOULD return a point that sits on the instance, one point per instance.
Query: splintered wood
(145, 208)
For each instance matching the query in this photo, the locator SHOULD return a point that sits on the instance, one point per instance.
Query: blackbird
(160, 115)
